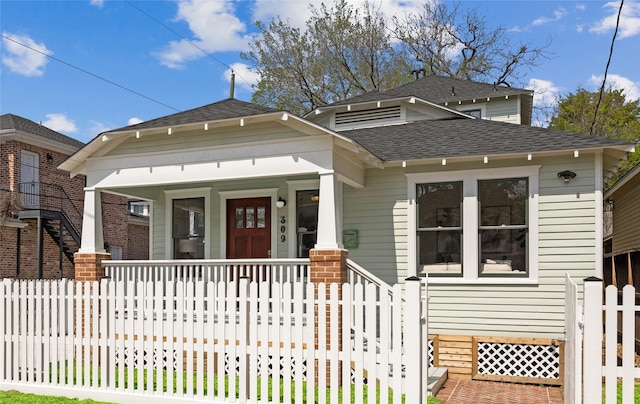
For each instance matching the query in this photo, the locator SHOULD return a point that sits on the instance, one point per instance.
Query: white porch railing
(257, 270)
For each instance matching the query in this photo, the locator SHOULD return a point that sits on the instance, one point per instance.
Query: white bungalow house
(493, 213)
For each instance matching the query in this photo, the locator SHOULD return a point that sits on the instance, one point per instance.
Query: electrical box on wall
(350, 238)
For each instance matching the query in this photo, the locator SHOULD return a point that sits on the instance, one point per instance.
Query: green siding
(566, 245)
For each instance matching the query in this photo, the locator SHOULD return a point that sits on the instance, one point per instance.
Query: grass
(636, 394)
(15, 397)
(67, 371)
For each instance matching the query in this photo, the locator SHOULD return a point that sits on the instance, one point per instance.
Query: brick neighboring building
(38, 201)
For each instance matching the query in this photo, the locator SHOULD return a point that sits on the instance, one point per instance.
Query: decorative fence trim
(73, 340)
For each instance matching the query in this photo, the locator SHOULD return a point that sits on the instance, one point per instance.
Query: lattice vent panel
(519, 360)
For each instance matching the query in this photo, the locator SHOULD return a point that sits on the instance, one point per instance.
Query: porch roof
(223, 113)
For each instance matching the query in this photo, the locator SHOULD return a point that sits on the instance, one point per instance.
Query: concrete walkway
(470, 391)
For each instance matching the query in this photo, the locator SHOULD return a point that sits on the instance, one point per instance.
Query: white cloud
(60, 123)
(298, 12)
(630, 89)
(215, 29)
(134, 120)
(629, 19)
(581, 7)
(545, 98)
(557, 15)
(545, 92)
(97, 3)
(245, 77)
(98, 127)
(22, 60)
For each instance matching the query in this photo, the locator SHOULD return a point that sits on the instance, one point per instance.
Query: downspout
(18, 240)
(40, 249)
(61, 243)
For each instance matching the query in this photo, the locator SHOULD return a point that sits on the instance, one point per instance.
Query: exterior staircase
(55, 212)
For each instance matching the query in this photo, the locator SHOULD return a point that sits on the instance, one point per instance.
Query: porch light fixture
(49, 158)
(566, 175)
(281, 203)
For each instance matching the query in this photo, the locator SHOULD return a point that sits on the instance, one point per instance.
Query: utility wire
(606, 70)
(89, 73)
(187, 40)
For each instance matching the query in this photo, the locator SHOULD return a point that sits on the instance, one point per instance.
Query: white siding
(194, 139)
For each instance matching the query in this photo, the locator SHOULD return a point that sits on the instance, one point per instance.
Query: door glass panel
(261, 217)
(239, 218)
(251, 214)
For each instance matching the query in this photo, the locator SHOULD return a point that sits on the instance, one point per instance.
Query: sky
(82, 67)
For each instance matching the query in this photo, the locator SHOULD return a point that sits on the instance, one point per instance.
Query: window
(474, 226)
(440, 227)
(188, 228)
(474, 112)
(503, 229)
(306, 221)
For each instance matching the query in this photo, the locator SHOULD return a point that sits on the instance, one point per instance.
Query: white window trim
(170, 195)
(249, 193)
(470, 180)
(295, 186)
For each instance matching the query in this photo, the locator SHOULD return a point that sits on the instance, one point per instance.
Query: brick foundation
(329, 266)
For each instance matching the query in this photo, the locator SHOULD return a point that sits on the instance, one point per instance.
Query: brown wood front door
(249, 228)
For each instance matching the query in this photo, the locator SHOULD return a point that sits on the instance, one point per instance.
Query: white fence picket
(599, 327)
(137, 340)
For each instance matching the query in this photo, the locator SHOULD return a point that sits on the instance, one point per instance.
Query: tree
(449, 41)
(617, 118)
(345, 51)
(342, 53)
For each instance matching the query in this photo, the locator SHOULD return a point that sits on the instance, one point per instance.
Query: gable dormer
(380, 113)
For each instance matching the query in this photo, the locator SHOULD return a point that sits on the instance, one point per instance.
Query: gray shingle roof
(463, 137)
(225, 109)
(438, 89)
(18, 123)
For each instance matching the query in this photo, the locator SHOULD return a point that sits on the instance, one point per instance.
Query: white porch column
(329, 213)
(92, 238)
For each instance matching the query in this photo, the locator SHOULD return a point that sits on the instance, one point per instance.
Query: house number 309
(283, 229)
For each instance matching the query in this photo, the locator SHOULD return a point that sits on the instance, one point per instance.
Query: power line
(89, 73)
(606, 70)
(187, 40)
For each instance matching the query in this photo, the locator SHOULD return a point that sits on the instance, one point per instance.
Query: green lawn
(15, 397)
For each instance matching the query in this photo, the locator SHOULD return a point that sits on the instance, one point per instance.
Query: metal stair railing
(52, 197)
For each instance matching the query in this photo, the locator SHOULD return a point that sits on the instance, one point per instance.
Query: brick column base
(89, 266)
(329, 266)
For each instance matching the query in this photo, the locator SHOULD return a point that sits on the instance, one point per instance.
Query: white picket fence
(590, 365)
(246, 342)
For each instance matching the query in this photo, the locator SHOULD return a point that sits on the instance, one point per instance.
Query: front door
(249, 228)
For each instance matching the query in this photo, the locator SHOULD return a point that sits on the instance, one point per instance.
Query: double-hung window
(474, 226)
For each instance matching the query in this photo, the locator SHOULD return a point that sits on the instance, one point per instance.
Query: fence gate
(573, 344)
(593, 331)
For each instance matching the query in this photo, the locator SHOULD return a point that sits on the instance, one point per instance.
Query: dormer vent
(367, 117)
